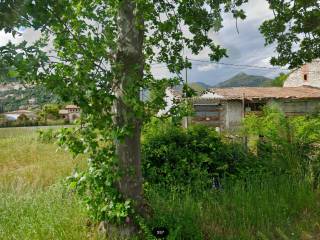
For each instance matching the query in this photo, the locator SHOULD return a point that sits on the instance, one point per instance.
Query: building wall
(229, 114)
(208, 114)
(310, 70)
(298, 107)
(73, 116)
(234, 114)
(226, 115)
(234, 109)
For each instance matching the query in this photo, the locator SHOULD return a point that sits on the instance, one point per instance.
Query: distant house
(70, 113)
(13, 116)
(307, 75)
(225, 108)
(171, 98)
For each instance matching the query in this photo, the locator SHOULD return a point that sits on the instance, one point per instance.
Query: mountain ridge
(244, 80)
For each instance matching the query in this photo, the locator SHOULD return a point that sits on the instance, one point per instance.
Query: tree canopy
(295, 29)
(98, 54)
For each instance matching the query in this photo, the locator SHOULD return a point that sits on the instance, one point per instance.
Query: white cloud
(265, 61)
(5, 38)
(207, 67)
(244, 48)
(29, 35)
(257, 10)
(160, 71)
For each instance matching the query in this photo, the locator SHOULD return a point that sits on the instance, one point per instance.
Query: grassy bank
(35, 205)
(50, 213)
(275, 208)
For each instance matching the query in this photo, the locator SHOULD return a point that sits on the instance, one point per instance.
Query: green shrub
(288, 145)
(176, 156)
(47, 135)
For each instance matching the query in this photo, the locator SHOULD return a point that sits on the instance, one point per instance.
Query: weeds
(269, 207)
(35, 205)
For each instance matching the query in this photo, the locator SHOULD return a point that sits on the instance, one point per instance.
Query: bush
(47, 135)
(176, 156)
(288, 145)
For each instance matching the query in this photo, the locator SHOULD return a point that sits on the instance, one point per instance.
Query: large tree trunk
(130, 61)
(128, 69)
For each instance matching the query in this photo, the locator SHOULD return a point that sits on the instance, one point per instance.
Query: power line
(229, 66)
(239, 65)
(233, 65)
(226, 64)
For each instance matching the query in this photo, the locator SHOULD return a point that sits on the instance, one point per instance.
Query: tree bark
(129, 63)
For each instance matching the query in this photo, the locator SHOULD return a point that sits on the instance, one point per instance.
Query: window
(254, 106)
(305, 77)
(207, 111)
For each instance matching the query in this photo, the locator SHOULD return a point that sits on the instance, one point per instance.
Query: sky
(244, 48)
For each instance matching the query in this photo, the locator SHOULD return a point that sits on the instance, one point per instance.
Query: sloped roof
(63, 111)
(71, 107)
(23, 111)
(263, 93)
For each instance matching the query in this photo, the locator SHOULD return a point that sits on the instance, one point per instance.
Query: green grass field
(34, 204)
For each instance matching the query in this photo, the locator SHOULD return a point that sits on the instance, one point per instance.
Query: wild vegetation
(103, 52)
(278, 81)
(99, 56)
(33, 201)
(256, 195)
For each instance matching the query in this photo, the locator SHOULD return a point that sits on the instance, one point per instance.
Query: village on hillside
(48, 114)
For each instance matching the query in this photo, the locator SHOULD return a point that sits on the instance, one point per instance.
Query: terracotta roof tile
(265, 93)
(71, 107)
(63, 111)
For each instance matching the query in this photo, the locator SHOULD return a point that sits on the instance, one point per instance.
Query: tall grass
(279, 207)
(44, 214)
(34, 204)
(27, 163)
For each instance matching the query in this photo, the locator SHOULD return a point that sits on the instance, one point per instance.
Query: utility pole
(187, 117)
(245, 138)
(186, 72)
(243, 106)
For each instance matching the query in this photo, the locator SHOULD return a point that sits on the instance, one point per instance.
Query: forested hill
(14, 95)
(245, 80)
(239, 80)
(199, 87)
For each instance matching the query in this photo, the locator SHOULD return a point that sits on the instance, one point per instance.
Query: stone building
(13, 116)
(70, 113)
(307, 75)
(224, 108)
